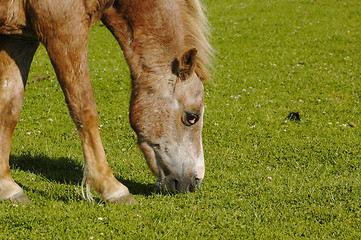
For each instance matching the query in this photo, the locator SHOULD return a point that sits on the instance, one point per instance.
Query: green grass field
(266, 177)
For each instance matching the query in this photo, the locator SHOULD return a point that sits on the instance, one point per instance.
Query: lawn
(267, 177)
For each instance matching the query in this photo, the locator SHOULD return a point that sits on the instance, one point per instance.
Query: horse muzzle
(175, 184)
(179, 169)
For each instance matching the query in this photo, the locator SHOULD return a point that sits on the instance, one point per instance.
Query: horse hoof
(19, 198)
(125, 199)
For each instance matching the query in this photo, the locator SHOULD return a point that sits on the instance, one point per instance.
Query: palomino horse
(166, 49)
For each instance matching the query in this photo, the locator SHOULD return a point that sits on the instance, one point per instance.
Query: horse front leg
(68, 54)
(15, 59)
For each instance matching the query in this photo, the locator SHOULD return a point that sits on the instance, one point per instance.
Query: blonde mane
(196, 34)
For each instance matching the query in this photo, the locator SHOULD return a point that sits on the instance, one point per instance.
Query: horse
(165, 45)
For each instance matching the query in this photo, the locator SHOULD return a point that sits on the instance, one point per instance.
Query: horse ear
(184, 67)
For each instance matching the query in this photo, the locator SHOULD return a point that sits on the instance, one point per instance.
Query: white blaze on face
(199, 165)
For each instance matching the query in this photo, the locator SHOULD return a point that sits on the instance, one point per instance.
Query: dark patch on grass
(38, 79)
(294, 116)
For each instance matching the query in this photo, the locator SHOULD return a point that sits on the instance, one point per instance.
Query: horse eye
(190, 119)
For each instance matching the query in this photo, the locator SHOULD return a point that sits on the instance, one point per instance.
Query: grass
(266, 177)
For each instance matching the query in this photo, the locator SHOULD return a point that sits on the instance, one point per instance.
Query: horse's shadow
(66, 171)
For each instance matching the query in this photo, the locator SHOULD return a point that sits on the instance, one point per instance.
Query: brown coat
(164, 42)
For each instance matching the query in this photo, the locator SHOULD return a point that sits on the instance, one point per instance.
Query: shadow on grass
(66, 171)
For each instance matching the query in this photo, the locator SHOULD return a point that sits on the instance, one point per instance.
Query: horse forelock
(176, 26)
(196, 34)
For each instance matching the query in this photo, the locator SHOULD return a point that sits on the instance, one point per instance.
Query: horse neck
(150, 39)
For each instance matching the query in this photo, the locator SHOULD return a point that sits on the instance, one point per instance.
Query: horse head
(167, 118)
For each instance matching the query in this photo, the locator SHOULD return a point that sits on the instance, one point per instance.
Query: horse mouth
(173, 185)
(172, 178)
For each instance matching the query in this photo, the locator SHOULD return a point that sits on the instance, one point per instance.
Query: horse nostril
(176, 184)
(195, 184)
(198, 182)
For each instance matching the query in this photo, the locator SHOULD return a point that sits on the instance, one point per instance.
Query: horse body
(27, 17)
(166, 52)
